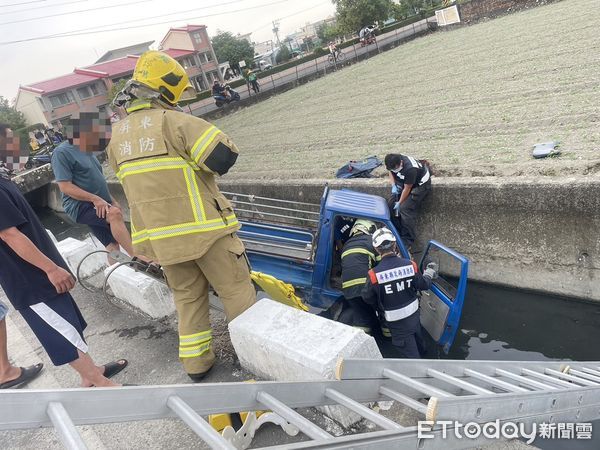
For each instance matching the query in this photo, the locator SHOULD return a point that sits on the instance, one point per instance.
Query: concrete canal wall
(539, 234)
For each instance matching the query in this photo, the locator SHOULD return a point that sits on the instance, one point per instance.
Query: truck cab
(299, 243)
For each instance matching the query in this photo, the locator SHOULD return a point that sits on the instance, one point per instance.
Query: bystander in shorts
(58, 325)
(99, 226)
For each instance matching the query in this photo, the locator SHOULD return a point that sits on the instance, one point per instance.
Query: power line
(290, 15)
(44, 6)
(69, 33)
(75, 12)
(22, 3)
(141, 26)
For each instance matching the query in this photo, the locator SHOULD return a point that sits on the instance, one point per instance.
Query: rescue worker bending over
(167, 162)
(358, 256)
(411, 179)
(394, 286)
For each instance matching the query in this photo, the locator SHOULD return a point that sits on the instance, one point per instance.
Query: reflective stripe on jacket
(358, 256)
(167, 162)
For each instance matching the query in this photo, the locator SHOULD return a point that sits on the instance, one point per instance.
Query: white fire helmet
(383, 239)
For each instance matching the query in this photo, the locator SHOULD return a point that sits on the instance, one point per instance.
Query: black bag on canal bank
(359, 169)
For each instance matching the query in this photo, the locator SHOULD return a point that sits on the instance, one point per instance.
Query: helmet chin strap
(134, 91)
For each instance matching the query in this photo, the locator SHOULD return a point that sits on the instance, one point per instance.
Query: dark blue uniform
(393, 286)
(417, 174)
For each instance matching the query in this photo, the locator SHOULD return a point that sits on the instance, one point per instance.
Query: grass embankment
(473, 101)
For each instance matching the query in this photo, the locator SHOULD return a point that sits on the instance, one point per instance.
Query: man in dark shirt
(413, 177)
(37, 280)
(10, 376)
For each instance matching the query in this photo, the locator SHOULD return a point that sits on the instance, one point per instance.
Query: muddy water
(497, 323)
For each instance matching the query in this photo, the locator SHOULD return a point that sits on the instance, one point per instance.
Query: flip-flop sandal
(27, 374)
(114, 367)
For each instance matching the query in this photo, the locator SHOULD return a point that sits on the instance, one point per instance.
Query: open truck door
(441, 306)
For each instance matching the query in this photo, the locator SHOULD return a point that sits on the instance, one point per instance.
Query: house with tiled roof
(115, 53)
(86, 88)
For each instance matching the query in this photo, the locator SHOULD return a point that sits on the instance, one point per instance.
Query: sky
(130, 22)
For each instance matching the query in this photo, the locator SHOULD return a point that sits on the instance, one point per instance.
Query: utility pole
(276, 31)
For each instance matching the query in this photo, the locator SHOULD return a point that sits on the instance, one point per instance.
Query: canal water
(497, 323)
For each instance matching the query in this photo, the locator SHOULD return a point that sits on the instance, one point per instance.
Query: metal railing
(274, 211)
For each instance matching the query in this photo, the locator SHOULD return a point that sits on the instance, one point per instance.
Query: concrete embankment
(541, 234)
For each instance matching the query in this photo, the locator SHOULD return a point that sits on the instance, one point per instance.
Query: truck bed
(274, 227)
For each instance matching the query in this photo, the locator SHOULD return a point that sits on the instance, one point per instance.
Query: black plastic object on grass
(359, 169)
(546, 149)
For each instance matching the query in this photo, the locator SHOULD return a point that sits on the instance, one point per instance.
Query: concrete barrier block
(277, 342)
(74, 252)
(141, 291)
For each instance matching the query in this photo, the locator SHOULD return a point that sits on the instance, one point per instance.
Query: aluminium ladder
(468, 391)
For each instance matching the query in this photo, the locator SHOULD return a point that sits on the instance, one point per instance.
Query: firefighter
(394, 285)
(167, 162)
(358, 256)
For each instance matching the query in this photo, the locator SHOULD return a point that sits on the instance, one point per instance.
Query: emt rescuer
(167, 162)
(393, 285)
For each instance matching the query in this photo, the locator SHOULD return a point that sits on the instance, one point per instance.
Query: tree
(288, 41)
(407, 9)
(10, 116)
(352, 15)
(283, 54)
(115, 89)
(327, 33)
(233, 49)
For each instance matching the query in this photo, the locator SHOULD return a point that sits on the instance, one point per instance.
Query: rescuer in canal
(411, 183)
(393, 286)
(167, 162)
(358, 256)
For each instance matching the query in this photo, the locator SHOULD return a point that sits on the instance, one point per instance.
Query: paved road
(354, 53)
(151, 348)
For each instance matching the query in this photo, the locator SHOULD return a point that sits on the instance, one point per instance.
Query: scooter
(43, 156)
(368, 40)
(221, 100)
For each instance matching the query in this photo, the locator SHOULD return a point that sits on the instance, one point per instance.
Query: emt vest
(167, 162)
(408, 162)
(358, 256)
(397, 283)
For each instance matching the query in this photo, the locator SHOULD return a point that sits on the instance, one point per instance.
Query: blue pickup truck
(296, 243)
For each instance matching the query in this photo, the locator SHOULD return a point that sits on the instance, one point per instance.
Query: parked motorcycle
(232, 96)
(43, 156)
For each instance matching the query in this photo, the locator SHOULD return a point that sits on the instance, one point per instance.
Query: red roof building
(87, 87)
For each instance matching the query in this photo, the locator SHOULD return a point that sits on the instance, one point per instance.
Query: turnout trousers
(224, 267)
(363, 315)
